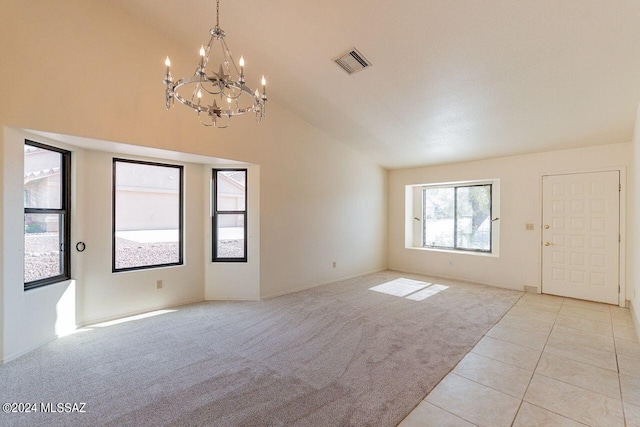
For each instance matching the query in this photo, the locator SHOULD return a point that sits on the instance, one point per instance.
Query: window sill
(50, 284)
(146, 268)
(493, 254)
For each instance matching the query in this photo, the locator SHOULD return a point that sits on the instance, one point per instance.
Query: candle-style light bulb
(264, 83)
(167, 76)
(199, 99)
(167, 62)
(241, 78)
(201, 68)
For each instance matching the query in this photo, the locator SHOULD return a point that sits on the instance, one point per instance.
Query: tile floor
(550, 361)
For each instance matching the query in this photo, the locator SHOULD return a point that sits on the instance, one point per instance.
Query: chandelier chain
(218, 14)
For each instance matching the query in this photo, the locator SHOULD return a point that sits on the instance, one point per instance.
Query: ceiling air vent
(352, 61)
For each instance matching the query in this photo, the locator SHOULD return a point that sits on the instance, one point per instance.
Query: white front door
(581, 235)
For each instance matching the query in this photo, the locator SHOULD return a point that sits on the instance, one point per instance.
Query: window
(47, 200)
(147, 215)
(458, 217)
(229, 217)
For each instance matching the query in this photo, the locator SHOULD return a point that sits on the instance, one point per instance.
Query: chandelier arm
(225, 56)
(214, 83)
(213, 123)
(209, 109)
(233, 89)
(225, 126)
(207, 50)
(228, 52)
(195, 91)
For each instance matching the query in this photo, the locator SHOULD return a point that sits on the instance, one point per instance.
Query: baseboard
(636, 320)
(531, 289)
(134, 313)
(439, 276)
(230, 299)
(21, 353)
(315, 285)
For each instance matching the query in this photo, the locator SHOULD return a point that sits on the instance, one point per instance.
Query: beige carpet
(336, 355)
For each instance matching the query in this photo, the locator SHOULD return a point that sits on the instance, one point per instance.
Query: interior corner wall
(2, 243)
(634, 253)
(104, 295)
(320, 201)
(520, 196)
(234, 280)
(31, 318)
(34, 317)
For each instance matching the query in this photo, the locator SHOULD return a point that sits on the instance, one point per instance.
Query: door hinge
(619, 187)
(619, 238)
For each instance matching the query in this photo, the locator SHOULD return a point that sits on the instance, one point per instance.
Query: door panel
(580, 235)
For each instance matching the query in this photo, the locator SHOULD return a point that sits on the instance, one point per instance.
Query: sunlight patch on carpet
(410, 289)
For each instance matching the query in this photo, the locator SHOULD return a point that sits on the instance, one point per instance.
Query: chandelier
(221, 94)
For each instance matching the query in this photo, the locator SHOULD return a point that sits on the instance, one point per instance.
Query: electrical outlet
(334, 264)
(159, 284)
(528, 226)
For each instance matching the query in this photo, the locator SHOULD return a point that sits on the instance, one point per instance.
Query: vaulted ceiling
(452, 80)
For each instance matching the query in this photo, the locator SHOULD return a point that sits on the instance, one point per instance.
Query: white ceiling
(451, 80)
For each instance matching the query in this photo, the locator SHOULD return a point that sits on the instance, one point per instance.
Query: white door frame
(622, 267)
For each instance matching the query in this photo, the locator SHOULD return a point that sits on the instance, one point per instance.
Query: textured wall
(519, 262)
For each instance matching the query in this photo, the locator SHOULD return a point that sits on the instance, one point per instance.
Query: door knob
(546, 226)
(547, 243)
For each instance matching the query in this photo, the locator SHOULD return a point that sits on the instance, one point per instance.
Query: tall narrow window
(47, 184)
(147, 215)
(229, 215)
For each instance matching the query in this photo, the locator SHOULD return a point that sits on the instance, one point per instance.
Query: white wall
(319, 200)
(320, 204)
(634, 227)
(103, 294)
(3, 240)
(39, 315)
(519, 262)
(235, 280)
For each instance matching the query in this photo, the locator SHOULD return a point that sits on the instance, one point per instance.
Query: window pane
(42, 240)
(147, 215)
(230, 234)
(474, 217)
(231, 190)
(42, 171)
(438, 217)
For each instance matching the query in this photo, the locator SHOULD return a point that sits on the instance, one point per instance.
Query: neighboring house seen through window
(47, 200)
(147, 215)
(229, 217)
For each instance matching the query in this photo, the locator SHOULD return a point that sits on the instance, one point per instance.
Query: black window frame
(455, 218)
(180, 217)
(216, 213)
(65, 211)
